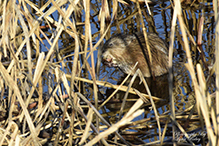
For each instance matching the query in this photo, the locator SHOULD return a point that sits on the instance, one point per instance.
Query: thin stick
(172, 103)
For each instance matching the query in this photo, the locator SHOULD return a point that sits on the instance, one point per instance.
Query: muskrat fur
(124, 51)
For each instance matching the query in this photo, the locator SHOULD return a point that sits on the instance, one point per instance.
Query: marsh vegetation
(54, 89)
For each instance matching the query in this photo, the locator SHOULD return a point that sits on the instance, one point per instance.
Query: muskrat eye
(110, 44)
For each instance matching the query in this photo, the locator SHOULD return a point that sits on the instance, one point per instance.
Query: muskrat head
(115, 49)
(124, 51)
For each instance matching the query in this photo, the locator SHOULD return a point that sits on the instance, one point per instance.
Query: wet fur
(125, 50)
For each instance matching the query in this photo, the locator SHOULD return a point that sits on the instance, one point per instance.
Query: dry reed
(50, 87)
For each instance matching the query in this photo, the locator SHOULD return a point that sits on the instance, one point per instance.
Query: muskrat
(123, 51)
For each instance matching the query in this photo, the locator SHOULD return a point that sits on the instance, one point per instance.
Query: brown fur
(124, 51)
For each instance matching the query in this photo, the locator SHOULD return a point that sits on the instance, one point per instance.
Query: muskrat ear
(129, 38)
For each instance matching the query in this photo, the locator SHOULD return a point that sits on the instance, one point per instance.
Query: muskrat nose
(108, 60)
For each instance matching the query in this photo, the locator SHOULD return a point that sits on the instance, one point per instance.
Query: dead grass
(51, 95)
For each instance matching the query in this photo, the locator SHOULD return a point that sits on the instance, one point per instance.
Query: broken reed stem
(107, 84)
(170, 78)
